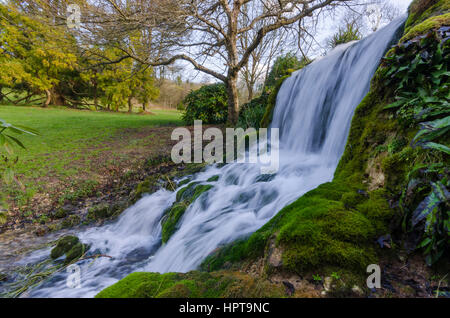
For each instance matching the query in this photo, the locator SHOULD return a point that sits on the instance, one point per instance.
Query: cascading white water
(313, 111)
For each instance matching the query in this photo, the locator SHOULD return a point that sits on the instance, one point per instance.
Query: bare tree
(260, 60)
(205, 33)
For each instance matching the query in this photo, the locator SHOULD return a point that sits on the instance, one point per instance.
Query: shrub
(251, 113)
(258, 112)
(284, 65)
(345, 34)
(208, 104)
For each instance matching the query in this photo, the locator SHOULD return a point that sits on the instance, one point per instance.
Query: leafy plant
(350, 32)
(418, 69)
(7, 144)
(208, 104)
(317, 278)
(252, 113)
(335, 276)
(284, 65)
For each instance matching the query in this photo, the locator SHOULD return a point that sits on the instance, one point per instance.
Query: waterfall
(313, 112)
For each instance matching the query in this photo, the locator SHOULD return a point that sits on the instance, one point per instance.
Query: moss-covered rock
(422, 10)
(71, 221)
(143, 188)
(100, 211)
(185, 197)
(170, 220)
(64, 245)
(193, 285)
(75, 252)
(213, 179)
(60, 213)
(69, 246)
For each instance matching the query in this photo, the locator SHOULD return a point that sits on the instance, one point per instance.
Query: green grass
(70, 139)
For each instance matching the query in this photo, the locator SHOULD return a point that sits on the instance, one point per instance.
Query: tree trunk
(250, 91)
(130, 104)
(58, 99)
(49, 98)
(233, 101)
(95, 97)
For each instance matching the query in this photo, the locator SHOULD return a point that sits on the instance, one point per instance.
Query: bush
(350, 32)
(284, 65)
(208, 104)
(251, 113)
(257, 113)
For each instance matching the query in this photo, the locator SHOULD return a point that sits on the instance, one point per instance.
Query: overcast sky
(402, 4)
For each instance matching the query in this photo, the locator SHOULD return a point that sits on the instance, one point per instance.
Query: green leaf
(17, 141)
(395, 104)
(438, 195)
(432, 145)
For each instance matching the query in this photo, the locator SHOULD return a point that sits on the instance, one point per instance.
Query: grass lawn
(80, 146)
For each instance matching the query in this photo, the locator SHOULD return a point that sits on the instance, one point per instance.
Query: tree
(204, 33)
(33, 54)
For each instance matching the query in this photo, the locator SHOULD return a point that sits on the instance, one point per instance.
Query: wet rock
(75, 252)
(69, 246)
(64, 245)
(275, 257)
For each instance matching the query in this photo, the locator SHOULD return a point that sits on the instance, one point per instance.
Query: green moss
(271, 101)
(185, 197)
(75, 253)
(421, 10)
(171, 219)
(193, 284)
(71, 221)
(213, 179)
(64, 245)
(184, 182)
(143, 188)
(60, 213)
(101, 211)
(69, 246)
(429, 24)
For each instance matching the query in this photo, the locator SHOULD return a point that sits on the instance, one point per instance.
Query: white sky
(325, 32)
(402, 4)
